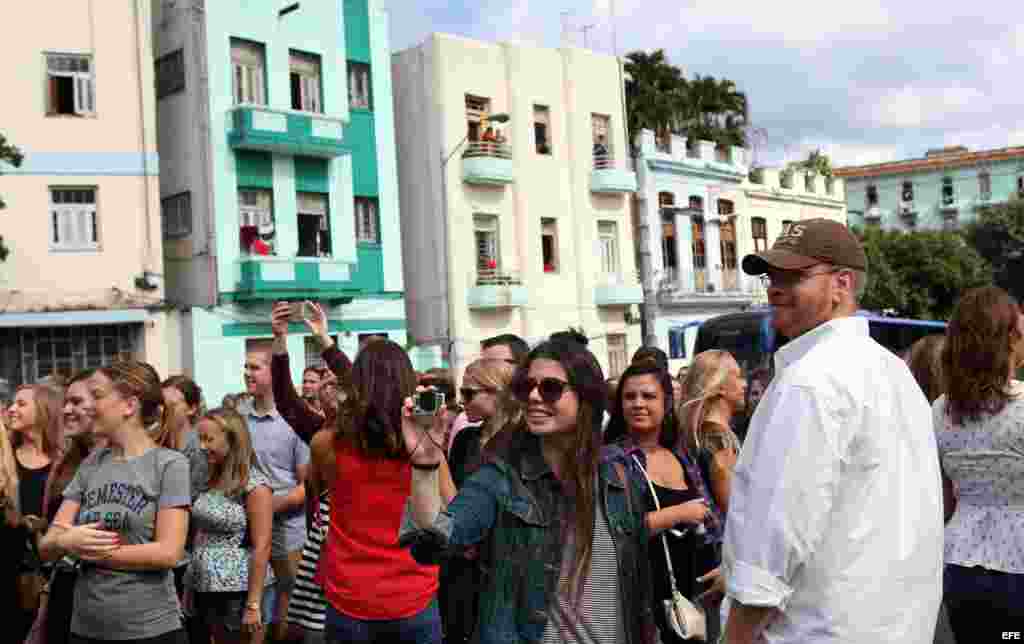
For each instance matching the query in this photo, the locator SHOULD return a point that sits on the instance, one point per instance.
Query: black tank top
(32, 488)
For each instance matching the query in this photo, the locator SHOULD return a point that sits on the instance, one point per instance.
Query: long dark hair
(580, 461)
(617, 428)
(925, 362)
(190, 391)
(977, 355)
(370, 418)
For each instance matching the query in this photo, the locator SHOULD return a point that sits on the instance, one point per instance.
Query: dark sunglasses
(467, 393)
(551, 389)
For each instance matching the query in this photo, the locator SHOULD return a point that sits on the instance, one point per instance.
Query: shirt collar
(249, 409)
(800, 346)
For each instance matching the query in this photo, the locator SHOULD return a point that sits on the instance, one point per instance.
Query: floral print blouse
(220, 562)
(985, 460)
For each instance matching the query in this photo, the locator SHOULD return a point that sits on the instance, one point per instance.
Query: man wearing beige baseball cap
(835, 529)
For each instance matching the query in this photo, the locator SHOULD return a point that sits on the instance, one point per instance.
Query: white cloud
(918, 107)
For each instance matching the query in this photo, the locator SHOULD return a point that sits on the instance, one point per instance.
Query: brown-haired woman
(375, 591)
(125, 515)
(979, 426)
(716, 391)
(229, 573)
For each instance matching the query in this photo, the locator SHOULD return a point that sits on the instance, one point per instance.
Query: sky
(864, 80)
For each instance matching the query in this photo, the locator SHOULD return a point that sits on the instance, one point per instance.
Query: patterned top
(985, 459)
(220, 563)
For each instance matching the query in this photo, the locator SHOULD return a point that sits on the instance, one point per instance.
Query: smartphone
(297, 310)
(427, 402)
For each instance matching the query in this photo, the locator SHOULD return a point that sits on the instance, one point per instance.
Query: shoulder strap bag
(686, 619)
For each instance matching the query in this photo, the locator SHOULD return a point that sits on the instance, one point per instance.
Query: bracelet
(426, 468)
(252, 606)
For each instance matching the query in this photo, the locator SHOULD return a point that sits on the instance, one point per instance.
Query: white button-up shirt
(835, 517)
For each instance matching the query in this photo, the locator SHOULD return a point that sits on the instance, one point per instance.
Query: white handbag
(687, 620)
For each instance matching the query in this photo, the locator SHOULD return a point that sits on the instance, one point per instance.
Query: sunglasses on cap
(467, 393)
(550, 389)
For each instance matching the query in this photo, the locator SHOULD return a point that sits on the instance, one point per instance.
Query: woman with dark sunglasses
(486, 396)
(643, 424)
(560, 527)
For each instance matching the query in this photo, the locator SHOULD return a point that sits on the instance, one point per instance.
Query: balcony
(618, 290)
(258, 127)
(487, 163)
(607, 177)
(496, 289)
(267, 277)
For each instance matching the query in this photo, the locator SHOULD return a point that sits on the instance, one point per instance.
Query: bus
(750, 338)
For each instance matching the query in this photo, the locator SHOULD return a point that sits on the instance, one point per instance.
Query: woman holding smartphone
(125, 515)
(644, 425)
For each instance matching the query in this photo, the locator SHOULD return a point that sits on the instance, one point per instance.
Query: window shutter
(83, 94)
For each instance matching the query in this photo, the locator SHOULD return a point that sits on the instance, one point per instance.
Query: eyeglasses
(789, 279)
(551, 389)
(467, 393)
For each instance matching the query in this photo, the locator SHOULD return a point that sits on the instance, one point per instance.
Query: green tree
(653, 92)
(998, 236)
(13, 156)
(920, 274)
(817, 162)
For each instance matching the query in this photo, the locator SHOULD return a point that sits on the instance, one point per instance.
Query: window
(176, 212)
(608, 238)
(726, 207)
(948, 196)
(669, 252)
(618, 357)
(46, 351)
(256, 230)
(808, 182)
(170, 74)
(69, 85)
(600, 125)
(699, 256)
(830, 185)
(542, 129)
(728, 245)
(314, 224)
(872, 196)
(305, 82)
(907, 192)
(785, 225)
(247, 65)
(485, 233)
(360, 96)
(477, 111)
(1020, 186)
(696, 203)
(985, 185)
(73, 224)
(759, 231)
(549, 244)
(313, 355)
(367, 220)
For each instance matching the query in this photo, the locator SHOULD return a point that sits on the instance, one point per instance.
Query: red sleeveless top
(364, 574)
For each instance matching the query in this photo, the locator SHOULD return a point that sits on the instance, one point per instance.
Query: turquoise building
(942, 190)
(278, 177)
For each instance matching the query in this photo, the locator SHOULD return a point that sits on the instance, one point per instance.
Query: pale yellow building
(515, 189)
(82, 283)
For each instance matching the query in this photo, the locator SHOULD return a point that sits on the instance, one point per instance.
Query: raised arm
(303, 419)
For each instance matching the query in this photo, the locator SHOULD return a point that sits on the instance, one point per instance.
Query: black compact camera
(428, 402)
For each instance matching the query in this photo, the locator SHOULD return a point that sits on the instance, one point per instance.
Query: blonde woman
(37, 438)
(124, 516)
(12, 533)
(230, 573)
(486, 396)
(716, 391)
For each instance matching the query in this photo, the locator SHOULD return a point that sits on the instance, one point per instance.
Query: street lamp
(500, 117)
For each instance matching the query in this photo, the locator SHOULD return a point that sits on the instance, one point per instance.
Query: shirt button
(538, 617)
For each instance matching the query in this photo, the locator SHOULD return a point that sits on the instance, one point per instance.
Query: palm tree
(652, 92)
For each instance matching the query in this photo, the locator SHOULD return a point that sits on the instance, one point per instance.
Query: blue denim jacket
(511, 507)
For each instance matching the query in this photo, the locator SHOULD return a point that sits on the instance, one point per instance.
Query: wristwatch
(252, 606)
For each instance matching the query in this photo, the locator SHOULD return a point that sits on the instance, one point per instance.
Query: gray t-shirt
(280, 453)
(125, 496)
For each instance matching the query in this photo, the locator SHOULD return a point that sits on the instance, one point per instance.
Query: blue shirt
(280, 453)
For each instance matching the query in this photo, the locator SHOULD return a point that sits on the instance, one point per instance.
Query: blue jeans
(422, 628)
(982, 603)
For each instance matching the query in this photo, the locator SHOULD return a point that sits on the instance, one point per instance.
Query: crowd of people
(541, 502)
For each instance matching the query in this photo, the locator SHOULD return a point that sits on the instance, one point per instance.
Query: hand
(90, 542)
(34, 523)
(424, 444)
(717, 590)
(316, 321)
(252, 620)
(694, 512)
(279, 318)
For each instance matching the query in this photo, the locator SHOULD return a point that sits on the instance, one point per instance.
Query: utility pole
(586, 30)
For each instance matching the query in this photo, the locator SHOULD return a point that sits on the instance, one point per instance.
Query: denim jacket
(511, 508)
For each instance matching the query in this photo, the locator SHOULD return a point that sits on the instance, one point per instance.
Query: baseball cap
(806, 243)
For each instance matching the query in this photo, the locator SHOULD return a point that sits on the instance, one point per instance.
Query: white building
(529, 233)
(700, 210)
